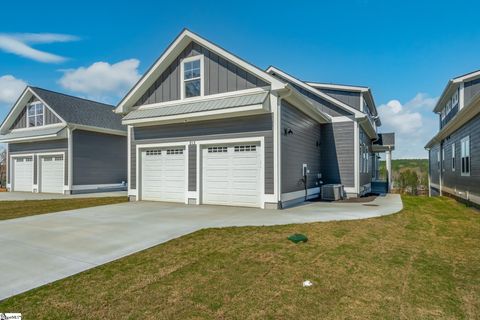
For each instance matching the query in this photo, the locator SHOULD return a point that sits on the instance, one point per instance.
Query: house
(58, 143)
(454, 152)
(207, 127)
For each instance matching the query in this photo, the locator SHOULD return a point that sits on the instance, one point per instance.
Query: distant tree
(408, 181)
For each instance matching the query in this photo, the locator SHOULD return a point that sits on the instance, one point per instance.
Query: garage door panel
(163, 174)
(23, 174)
(52, 174)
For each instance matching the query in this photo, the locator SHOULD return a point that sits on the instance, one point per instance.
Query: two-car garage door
(230, 174)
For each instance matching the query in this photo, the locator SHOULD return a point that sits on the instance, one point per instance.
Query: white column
(70, 159)
(388, 158)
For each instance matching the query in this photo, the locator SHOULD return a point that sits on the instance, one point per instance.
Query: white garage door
(163, 174)
(51, 174)
(22, 174)
(231, 175)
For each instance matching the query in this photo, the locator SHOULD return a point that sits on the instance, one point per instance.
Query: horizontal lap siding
(60, 145)
(338, 159)
(299, 147)
(454, 179)
(433, 164)
(239, 127)
(220, 76)
(99, 158)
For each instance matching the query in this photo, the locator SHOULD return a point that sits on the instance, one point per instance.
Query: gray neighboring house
(206, 127)
(454, 152)
(58, 143)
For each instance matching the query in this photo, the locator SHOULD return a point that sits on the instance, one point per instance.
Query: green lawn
(422, 263)
(17, 209)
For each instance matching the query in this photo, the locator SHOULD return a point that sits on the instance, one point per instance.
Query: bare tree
(3, 167)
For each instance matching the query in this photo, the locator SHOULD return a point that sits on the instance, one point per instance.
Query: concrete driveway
(22, 196)
(40, 249)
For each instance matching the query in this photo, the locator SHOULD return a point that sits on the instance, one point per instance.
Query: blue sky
(404, 50)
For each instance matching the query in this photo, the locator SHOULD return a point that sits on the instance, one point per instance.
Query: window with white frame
(448, 107)
(35, 114)
(465, 153)
(455, 99)
(192, 77)
(453, 156)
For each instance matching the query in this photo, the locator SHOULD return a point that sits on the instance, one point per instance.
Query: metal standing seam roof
(199, 106)
(31, 133)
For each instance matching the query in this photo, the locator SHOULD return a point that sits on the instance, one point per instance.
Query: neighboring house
(454, 152)
(206, 127)
(57, 143)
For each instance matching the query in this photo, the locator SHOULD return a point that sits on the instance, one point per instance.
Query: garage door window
(174, 151)
(153, 152)
(245, 148)
(217, 149)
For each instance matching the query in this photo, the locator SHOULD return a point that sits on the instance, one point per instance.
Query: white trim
(192, 195)
(172, 52)
(461, 96)
(31, 138)
(70, 157)
(39, 128)
(43, 154)
(260, 139)
(96, 186)
(300, 194)
(351, 190)
(24, 155)
(7, 167)
(139, 147)
(277, 145)
(317, 92)
(129, 157)
(200, 57)
(203, 115)
(338, 86)
(342, 119)
(356, 152)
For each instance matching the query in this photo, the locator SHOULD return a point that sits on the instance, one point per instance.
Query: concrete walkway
(40, 249)
(22, 196)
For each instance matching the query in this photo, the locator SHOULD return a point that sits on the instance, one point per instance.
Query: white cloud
(10, 88)
(20, 44)
(102, 79)
(413, 122)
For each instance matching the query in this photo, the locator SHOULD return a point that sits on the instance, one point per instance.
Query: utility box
(332, 192)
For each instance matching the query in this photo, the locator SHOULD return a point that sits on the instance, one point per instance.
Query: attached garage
(164, 174)
(52, 173)
(23, 173)
(232, 174)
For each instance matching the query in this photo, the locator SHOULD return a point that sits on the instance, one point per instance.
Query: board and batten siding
(98, 158)
(21, 120)
(60, 145)
(454, 179)
(220, 75)
(237, 127)
(337, 162)
(348, 97)
(301, 146)
(365, 177)
(433, 164)
(471, 88)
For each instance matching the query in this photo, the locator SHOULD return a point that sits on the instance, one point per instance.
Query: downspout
(70, 158)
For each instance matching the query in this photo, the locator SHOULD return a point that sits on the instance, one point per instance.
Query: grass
(422, 263)
(18, 209)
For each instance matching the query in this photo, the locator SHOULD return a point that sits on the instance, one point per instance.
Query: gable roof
(452, 85)
(171, 53)
(69, 109)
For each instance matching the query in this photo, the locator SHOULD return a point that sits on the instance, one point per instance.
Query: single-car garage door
(231, 175)
(22, 174)
(52, 174)
(164, 174)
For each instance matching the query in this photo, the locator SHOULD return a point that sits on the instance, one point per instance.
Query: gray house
(454, 152)
(206, 127)
(57, 143)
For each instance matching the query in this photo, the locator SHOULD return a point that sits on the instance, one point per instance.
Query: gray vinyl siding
(366, 177)
(21, 121)
(34, 148)
(99, 158)
(238, 127)
(454, 179)
(433, 164)
(299, 147)
(192, 167)
(337, 162)
(220, 75)
(348, 97)
(471, 88)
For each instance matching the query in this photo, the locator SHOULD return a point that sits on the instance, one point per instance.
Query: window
(455, 99)
(192, 85)
(443, 158)
(175, 151)
(35, 113)
(465, 146)
(153, 152)
(448, 107)
(217, 149)
(453, 156)
(245, 148)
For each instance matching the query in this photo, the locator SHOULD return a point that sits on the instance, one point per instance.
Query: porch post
(388, 158)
